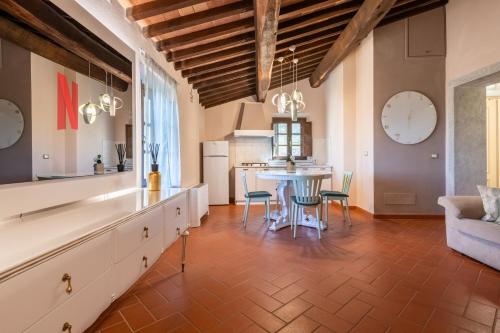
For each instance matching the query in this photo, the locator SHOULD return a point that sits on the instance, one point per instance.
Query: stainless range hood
(252, 122)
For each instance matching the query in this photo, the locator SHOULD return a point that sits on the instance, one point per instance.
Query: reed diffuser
(154, 177)
(121, 150)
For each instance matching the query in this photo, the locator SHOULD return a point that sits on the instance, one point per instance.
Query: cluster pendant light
(107, 103)
(290, 103)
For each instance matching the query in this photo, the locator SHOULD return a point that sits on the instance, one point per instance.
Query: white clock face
(409, 117)
(11, 123)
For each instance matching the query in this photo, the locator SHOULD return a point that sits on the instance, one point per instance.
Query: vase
(120, 167)
(290, 167)
(99, 169)
(154, 178)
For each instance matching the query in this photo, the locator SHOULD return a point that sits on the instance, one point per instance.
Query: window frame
(289, 122)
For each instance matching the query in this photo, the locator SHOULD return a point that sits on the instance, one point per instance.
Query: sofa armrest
(470, 207)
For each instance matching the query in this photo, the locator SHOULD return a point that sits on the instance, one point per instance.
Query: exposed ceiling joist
(153, 8)
(198, 18)
(365, 20)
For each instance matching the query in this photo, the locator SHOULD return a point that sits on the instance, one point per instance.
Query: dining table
(280, 217)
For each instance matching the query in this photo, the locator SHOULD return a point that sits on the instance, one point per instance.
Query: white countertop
(291, 175)
(23, 239)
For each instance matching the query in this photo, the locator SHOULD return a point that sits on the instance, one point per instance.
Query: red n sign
(66, 103)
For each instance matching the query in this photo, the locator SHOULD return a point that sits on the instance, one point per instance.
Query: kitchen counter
(282, 166)
(31, 237)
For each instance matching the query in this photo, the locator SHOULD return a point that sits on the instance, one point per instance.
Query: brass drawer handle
(178, 211)
(67, 327)
(146, 232)
(145, 259)
(67, 278)
(178, 231)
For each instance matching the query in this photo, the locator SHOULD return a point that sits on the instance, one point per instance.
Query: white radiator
(198, 202)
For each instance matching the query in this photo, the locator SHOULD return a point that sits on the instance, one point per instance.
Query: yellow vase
(154, 181)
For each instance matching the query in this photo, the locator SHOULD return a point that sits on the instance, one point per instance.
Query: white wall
(349, 118)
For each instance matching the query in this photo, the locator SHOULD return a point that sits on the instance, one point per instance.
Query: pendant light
(281, 99)
(109, 102)
(296, 103)
(89, 110)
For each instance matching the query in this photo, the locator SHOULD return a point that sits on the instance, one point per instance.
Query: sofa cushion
(491, 202)
(479, 229)
(463, 206)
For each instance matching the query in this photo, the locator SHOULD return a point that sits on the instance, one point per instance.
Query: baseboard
(409, 216)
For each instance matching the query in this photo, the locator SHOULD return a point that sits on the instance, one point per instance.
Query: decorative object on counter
(109, 102)
(154, 177)
(121, 150)
(290, 164)
(89, 110)
(11, 123)
(281, 99)
(98, 165)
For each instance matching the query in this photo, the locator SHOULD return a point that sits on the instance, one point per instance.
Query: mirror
(38, 141)
(11, 123)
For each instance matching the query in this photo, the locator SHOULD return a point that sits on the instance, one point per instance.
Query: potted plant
(98, 165)
(154, 177)
(121, 150)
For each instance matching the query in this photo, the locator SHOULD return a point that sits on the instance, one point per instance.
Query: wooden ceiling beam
(50, 22)
(199, 18)
(307, 7)
(45, 48)
(215, 57)
(266, 28)
(243, 93)
(219, 45)
(301, 53)
(275, 82)
(153, 8)
(207, 35)
(228, 77)
(365, 20)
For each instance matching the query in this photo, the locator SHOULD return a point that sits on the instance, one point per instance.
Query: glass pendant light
(296, 103)
(89, 110)
(109, 102)
(281, 99)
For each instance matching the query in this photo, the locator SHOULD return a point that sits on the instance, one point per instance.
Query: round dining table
(280, 217)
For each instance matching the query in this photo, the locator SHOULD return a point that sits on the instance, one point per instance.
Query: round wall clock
(409, 117)
(11, 123)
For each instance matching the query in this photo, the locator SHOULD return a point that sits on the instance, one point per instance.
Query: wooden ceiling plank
(197, 18)
(153, 8)
(45, 19)
(215, 57)
(207, 35)
(308, 7)
(266, 28)
(228, 77)
(365, 20)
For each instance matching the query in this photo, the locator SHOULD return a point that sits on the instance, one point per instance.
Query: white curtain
(161, 122)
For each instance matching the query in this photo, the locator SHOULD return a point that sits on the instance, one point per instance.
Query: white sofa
(467, 233)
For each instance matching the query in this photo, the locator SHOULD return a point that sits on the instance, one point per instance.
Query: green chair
(306, 194)
(256, 196)
(341, 196)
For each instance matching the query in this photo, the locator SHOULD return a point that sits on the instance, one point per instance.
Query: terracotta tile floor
(378, 276)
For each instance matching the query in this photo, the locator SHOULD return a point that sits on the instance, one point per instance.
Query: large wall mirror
(34, 145)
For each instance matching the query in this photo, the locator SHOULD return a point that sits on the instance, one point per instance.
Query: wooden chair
(341, 196)
(306, 194)
(256, 196)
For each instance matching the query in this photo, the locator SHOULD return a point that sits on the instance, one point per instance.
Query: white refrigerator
(216, 171)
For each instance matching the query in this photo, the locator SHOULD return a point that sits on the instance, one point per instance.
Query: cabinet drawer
(132, 267)
(175, 218)
(81, 310)
(32, 294)
(131, 235)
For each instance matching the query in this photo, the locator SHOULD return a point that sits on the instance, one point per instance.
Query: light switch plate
(434, 156)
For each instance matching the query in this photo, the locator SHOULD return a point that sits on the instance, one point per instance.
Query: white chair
(257, 196)
(306, 194)
(341, 196)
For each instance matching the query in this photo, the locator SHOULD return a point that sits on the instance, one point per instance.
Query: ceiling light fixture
(89, 110)
(109, 102)
(281, 99)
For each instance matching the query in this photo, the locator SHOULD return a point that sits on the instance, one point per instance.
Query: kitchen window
(292, 138)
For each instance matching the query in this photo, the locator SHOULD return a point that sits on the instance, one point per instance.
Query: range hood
(251, 121)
